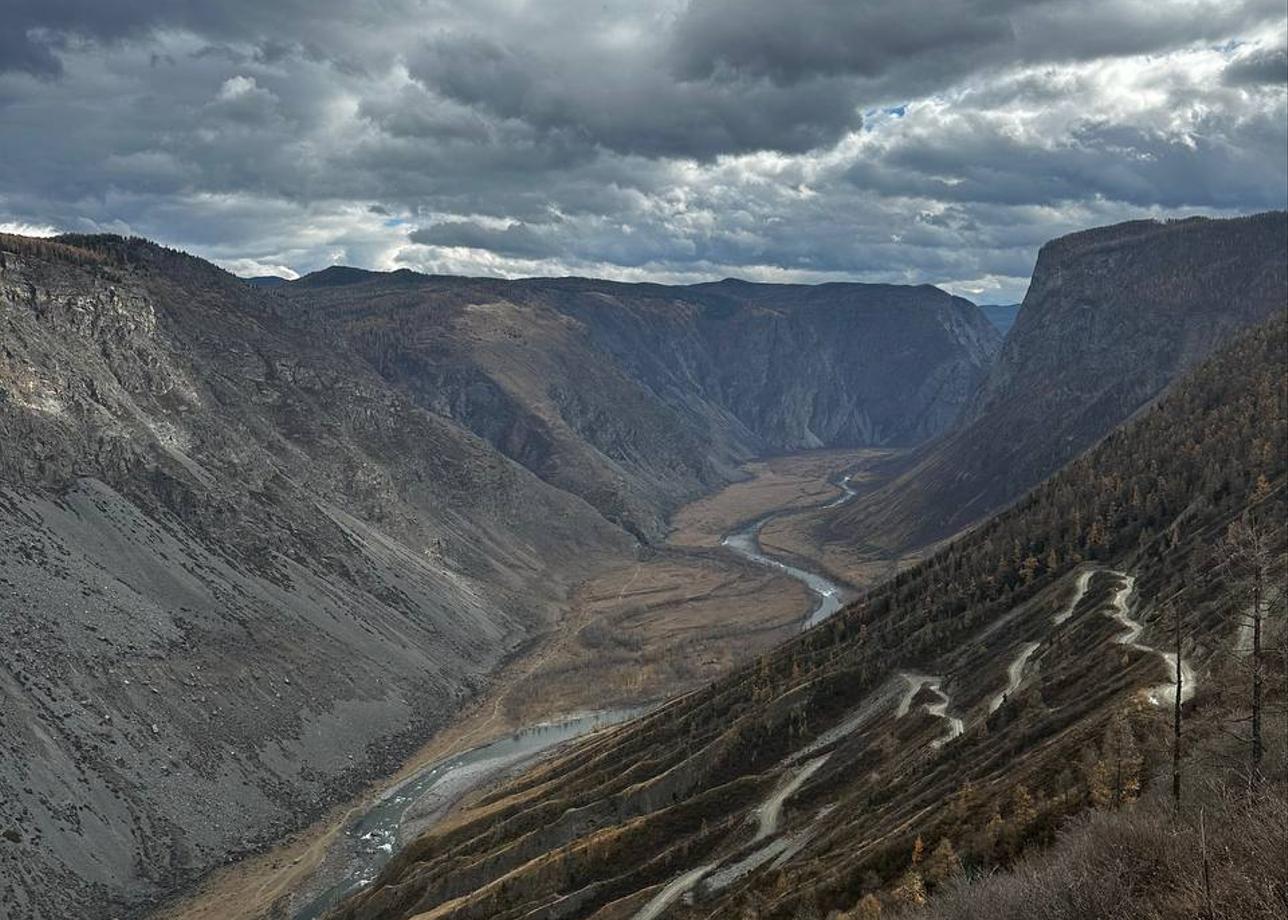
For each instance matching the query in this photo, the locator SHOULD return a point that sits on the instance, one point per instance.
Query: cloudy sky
(884, 140)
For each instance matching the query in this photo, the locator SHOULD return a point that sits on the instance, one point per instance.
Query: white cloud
(22, 228)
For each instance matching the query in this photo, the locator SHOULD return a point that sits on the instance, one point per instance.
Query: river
(371, 839)
(829, 596)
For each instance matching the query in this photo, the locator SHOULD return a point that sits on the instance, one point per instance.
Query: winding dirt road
(1079, 589)
(934, 684)
(673, 892)
(769, 811)
(1014, 675)
(1159, 694)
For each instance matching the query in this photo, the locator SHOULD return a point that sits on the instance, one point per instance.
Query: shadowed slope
(1113, 315)
(603, 829)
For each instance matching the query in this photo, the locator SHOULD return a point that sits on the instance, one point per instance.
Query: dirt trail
(934, 684)
(767, 816)
(672, 892)
(1158, 694)
(847, 492)
(955, 725)
(771, 809)
(872, 705)
(1014, 674)
(1079, 589)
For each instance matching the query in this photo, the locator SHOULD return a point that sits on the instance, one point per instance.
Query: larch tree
(943, 862)
(868, 908)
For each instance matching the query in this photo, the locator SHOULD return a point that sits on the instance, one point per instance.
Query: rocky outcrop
(800, 366)
(1112, 317)
(239, 573)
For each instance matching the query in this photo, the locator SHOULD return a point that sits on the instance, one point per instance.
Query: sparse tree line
(1193, 491)
(41, 248)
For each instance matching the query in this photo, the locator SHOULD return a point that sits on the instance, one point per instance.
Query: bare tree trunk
(1207, 869)
(1176, 711)
(1246, 555)
(1257, 588)
(1283, 651)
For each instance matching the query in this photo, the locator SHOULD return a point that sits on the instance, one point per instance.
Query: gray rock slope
(638, 396)
(1113, 316)
(238, 574)
(257, 543)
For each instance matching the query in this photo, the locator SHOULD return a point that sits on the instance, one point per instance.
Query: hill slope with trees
(953, 718)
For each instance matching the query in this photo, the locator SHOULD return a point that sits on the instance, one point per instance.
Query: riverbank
(677, 616)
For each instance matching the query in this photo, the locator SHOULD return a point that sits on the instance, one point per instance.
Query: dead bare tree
(1246, 555)
(1176, 706)
(1172, 604)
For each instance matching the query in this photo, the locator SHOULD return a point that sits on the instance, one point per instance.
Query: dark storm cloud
(514, 240)
(918, 43)
(791, 42)
(33, 32)
(904, 140)
(1233, 164)
(1268, 67)
(629, 104)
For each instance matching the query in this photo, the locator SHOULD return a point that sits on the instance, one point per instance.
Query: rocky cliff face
(799, 366)
(238, 573)
(637, 397)
(1112, 316)
(257, 543)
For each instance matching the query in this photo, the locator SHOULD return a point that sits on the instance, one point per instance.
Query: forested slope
(898, 720)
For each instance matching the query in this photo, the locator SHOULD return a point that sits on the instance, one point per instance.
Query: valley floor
(677, 617)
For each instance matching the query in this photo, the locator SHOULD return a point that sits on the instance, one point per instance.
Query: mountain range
(260, 540)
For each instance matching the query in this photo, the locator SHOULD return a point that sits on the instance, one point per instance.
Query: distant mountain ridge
(715, 373)
(1001, 315)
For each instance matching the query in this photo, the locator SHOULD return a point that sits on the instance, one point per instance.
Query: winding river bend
(829, 595)
(370, 839)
